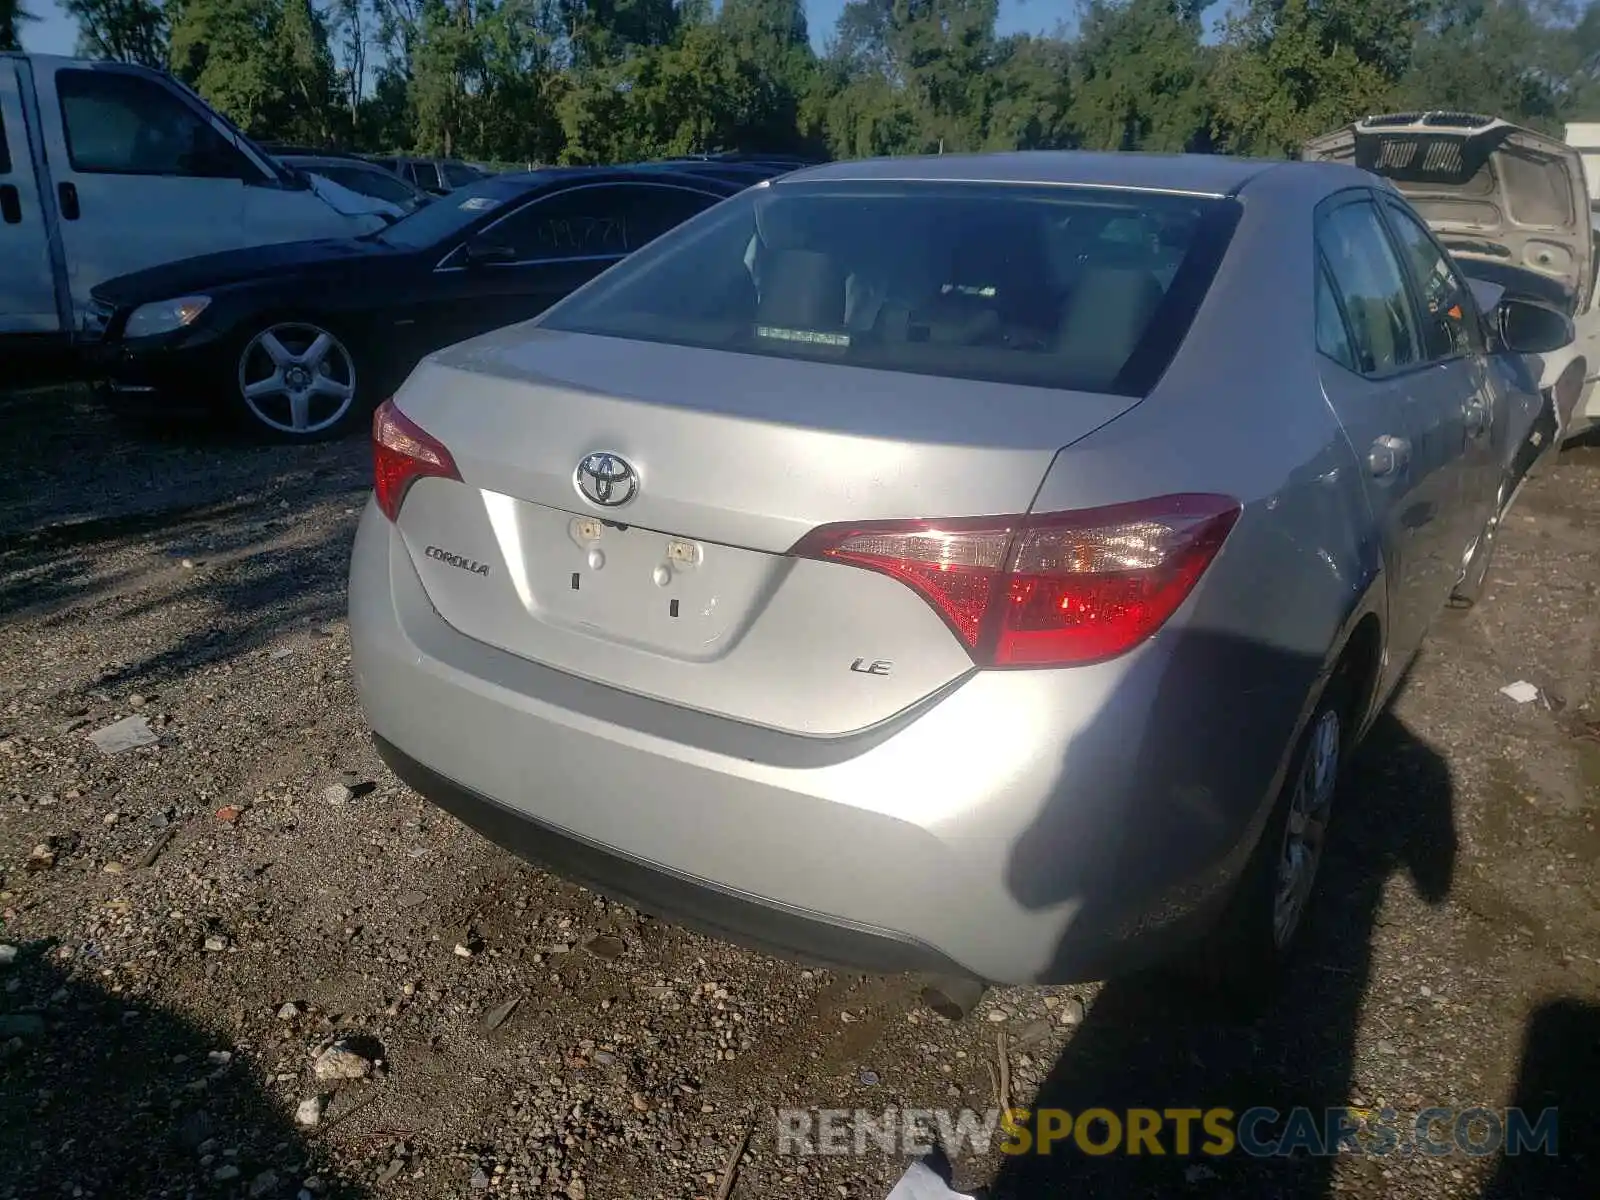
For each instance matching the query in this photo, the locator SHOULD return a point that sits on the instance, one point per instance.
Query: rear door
(141, 176)
(559, 242)
(27, 282)
(1402, 426)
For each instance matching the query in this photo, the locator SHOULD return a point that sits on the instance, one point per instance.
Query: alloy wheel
(297, 378)
(1306, 830)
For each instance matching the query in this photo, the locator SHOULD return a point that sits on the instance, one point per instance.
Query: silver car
(975, 565)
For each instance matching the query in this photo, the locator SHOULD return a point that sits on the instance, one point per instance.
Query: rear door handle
(68, 195)
(10, 204)
(1388, 456)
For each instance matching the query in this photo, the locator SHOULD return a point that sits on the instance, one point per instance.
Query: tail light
(1046, 589)
(402, 453)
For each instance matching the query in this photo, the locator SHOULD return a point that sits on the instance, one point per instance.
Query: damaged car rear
(1512, 207)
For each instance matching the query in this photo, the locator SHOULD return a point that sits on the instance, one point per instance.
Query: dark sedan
(299, 341)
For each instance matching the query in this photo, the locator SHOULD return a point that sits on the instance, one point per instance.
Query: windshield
(369, 181)
(450, 216)
(459, 175)
(1085, 289)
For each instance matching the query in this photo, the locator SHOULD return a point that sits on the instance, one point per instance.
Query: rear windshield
(1087, 289)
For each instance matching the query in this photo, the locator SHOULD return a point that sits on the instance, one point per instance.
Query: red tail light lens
(1050, 589)
(402, 453)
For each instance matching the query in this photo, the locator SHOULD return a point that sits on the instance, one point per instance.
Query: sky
(55, 33)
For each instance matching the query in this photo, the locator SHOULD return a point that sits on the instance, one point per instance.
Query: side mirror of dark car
(488, 254)
(1527, 328)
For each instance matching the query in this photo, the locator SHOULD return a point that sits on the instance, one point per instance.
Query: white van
(107, 168)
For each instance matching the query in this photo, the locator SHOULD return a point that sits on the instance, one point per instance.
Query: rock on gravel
(8, 955)
(309, 1111)
(339, 1062)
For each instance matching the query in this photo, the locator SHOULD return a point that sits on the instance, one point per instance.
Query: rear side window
(1366, 272)
(122, 124)
(1450, 323)
(1061, 287)
(606, 221)
(1333, 338)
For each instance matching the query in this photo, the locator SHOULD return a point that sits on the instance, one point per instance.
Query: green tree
(12, 18)
(265, 63)
(1142, 76)
(1291, 69)
(123, 30)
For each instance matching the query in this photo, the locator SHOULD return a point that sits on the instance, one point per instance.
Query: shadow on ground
(246, 541)
(103, 1096)
(1146, 1043)
(1560, 1070)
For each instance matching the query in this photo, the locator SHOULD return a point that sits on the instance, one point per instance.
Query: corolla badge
(606, 479)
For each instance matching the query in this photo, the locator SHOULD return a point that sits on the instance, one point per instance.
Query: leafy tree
(1291, 69)
(1142, 76)
(12, 17)
(605, 80)
(124, 30)
(265, 63)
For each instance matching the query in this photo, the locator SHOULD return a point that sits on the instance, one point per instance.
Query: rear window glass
(1085, 289)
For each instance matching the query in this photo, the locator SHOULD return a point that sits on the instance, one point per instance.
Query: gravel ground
(246, 961)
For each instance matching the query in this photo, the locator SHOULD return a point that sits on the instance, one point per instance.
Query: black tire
(1242, 959)
(299, 378)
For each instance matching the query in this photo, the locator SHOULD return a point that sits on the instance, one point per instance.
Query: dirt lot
(197, 919)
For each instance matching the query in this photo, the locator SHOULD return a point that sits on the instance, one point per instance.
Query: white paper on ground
(1521, 691)
(920, 1182)
(126, 734)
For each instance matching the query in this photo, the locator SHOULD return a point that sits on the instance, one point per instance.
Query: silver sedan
(977, 565)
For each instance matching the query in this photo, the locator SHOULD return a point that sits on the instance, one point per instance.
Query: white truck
(107, 168)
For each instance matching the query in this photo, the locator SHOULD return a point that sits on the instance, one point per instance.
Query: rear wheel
(1246, 950)
(298, 381)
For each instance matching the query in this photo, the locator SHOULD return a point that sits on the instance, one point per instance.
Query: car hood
(348, 201)
(190, 276)
(1491, 190)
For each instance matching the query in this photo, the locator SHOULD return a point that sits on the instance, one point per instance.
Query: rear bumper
(760, 924)
(1021, 827)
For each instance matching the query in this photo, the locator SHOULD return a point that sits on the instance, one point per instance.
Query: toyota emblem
(606, 479)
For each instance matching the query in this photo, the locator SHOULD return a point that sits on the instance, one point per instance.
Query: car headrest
(801, 289)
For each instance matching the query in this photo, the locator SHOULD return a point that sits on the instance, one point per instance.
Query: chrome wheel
(1307, 826)
(297, 378)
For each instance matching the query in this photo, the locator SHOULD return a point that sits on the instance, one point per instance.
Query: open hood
(1492, 191)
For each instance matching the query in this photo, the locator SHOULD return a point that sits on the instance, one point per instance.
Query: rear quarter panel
(1233, 677)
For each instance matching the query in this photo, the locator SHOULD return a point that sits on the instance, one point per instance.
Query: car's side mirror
(1528, 328)
(488, 254)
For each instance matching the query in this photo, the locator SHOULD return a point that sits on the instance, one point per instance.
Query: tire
(1243, 957)
(298, 379)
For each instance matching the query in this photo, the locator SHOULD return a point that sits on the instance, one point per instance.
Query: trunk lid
(685, 592)
(1491, 191)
